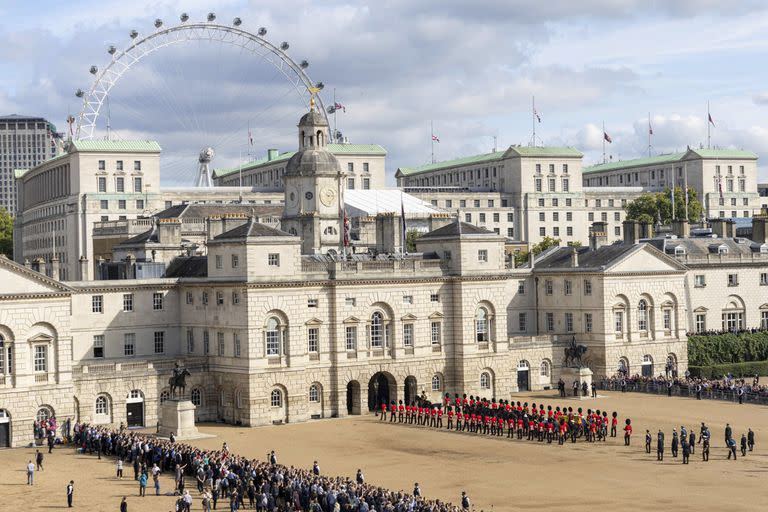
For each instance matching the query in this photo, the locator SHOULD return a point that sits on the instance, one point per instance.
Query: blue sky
(469, 67)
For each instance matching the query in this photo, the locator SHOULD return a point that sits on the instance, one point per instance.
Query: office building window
(97, 304)
(127, 302)
(313, 339)
(157, 301)
(351, 337)
(129, 344)
(274, 260)
(98, 345)
(159, 342)
(407, 335)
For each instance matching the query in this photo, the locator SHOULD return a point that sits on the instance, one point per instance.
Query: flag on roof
(435, 138)
(536, 113)
(346, 229)
(607, 138)
(339, 106)
(250, 136)
(709, 116)
(650, 128)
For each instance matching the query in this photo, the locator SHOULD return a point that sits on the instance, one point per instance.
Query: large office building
(25, 141)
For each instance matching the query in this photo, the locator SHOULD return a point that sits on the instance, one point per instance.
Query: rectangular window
(542, 217)
(119, 165)
(477, 203)
(538, 184)
(550, 322)
(127, 302)
(733, 279)
(551, 184)
(591, 216)
(121, 204)
(137, 165)
(98, 345)
(365, 167)
(511, 232)
(220, 348)
(235, 261)
(137, 185)
(157, 301)
(190, 341)
(235, 298)
(521, 287)
(206, 343)
(542, 231)
(764, 320)
(159, 342)
(587, 322)
(521, 322)
(667, 319)
(569, 231)
(41, 358)
(313, 339)
(366, 183)
(219, 261)
(555, 231)
(237, 345)
(350, 167)
(567, 287)
(274, 260)
(129, 344)
(97, 304)
(351, 337)
(587, 287)
(407, 299)
(569, 322)
(104, 204)
(700, 280)
(407, 335)
(763, 278)
(618, 321)
(434, 297)
(482, 255)
(435, 333)
(190, 298)
(495, 217)
(312, 303)
(467, 217)
(219, 298)
(120, 184)
(139, 204)
(350, 183)
(350, 301)
(566, 185)
(548, 287)
(482, 218)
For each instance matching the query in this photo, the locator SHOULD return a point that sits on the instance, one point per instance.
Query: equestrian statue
(178, 380)
(574, 353)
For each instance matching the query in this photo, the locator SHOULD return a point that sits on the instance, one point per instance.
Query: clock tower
(312, 183)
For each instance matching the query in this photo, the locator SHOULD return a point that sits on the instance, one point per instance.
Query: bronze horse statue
(178, 382)
(574, 353)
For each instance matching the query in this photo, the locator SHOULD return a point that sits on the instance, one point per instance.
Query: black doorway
(353, 397)
(409, 394)
(378, 391)
(135, 413)
(522, 380)
(5, 435)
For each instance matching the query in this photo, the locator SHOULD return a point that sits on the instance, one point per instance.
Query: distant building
(25, 141)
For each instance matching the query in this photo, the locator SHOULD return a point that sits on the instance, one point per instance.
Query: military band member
(627, 431)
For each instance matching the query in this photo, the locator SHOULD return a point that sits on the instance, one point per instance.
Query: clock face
(309, 195)
(327, 195)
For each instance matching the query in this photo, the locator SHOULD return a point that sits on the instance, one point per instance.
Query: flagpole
(432, 139)
(685, 185)
(533, 119)
(335, 130)
(649, 134)
(709, 136)
(603, 141)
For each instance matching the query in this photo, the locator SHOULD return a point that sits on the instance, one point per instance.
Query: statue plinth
(177, 416)
(580, 375)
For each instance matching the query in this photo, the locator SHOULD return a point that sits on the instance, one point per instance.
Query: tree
(410, 240)
(547, 242)
(652, 207)
(6, 233)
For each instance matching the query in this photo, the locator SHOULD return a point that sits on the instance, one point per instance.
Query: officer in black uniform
(647, 441)
(660, 446)
(751, 440)
(675, 441)
(705, 446)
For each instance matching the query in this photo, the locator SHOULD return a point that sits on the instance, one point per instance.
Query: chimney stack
(215, 226)
(681, 228)
(83, 268)
(574, 257)
(55, 274)
(760, 227)
(598, 235)
(169, 232)
(724, 228)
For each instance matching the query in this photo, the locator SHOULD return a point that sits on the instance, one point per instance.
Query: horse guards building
(291, 297)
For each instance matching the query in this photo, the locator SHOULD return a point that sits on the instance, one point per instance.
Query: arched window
(44, 413)
(485, 380)
(102, 405)
(314, 393)
(647, 366)
(320, 138)
(377, 330)
(481, 325)
(239, 399)
(330, 230)
(276, 398)
(272, 336)
(164, 395)
(196, 397)
(3, 368)
(544, 369)
(436, 383)
(135, 393)
(642, 315)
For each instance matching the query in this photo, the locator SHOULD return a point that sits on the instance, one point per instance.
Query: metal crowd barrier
(684, 391)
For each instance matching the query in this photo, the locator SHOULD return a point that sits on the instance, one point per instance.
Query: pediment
(351, 320)
(409, 317)
(647, 258)
(314, 321)
(763, 307)
(19, 280)
(700, 309)
(41, 338)
(436, 315)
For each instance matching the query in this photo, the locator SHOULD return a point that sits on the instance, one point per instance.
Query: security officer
(648, 441)
(660, 446)
(705, 446)
(675, 441)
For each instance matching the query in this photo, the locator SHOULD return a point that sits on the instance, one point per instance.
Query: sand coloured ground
(508, 475)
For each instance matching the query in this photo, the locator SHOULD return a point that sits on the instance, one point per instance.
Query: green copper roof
(671, 158)
(512, 152)
(336, 149)
(128, 146)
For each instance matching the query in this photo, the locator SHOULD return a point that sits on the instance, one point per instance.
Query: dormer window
(679, 250)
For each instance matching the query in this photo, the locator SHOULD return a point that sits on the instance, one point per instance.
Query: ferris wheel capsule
(94, 70)
(111, 50)
(158, 23)
(134, 34)
(237, 22)
(79, 93)
(184, 17)
(211, 16)
(262, 32)
(320, 85)
(284, 45)
(304, 64)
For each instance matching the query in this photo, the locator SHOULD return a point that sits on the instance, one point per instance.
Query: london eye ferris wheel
(198, 85)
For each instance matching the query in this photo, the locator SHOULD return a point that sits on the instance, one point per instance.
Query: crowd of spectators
(726, 388)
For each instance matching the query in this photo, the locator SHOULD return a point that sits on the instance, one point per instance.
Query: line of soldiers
(686, 442)
(495, 417)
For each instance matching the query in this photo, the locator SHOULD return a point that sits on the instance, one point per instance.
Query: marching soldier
(627, 432)
(675, 441)
(660, 446)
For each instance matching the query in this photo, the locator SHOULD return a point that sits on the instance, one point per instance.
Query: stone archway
(410, 391)
(353, 397)
(382, 388)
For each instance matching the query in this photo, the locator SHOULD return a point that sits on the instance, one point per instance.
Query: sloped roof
(455, 229)
(188, 266)
(335, 149)
(118, 146)
(252, 229)
(670, 159)
(600, 259)
(203, 211)
(364, 203)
